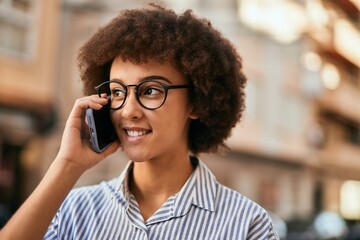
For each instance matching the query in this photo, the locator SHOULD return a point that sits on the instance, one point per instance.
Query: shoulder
(82, 207)
(225, 198)
(89, 194)
(244, 213)
(229, 198)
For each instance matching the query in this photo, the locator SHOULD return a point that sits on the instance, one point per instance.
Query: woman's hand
(75, 157)
(75, 146)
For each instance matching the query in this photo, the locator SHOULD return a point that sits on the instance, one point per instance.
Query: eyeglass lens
(150, 94)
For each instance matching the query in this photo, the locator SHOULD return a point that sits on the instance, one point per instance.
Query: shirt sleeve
(52, 231)
(262, 228)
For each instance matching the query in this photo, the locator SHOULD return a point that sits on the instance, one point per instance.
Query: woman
(176, 90)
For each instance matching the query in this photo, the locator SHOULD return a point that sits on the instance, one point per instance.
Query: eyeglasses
(150, 94)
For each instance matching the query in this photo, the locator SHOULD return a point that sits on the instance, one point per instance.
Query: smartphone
(102, 131)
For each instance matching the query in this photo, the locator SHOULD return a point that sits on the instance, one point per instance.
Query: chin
(136, 156)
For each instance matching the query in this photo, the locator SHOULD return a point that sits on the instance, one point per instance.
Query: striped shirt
(202, 209)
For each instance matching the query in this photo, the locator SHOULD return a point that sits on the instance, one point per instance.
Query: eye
(151, 89)
(117, 93)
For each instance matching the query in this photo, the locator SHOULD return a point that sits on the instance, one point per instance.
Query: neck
(161, 176)
(155, 180)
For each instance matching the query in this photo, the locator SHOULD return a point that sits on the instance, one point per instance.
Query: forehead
(130, 72)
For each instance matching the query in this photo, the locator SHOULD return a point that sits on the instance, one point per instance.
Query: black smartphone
(102, 131)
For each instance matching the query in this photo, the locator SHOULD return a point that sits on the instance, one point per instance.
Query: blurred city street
(296, 150)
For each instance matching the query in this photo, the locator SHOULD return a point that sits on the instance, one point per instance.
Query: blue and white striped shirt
(203, 209)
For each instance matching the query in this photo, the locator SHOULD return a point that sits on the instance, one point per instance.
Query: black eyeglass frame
(126, 87)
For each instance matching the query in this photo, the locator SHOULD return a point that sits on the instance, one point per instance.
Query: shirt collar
(199, 189)
(122, 185)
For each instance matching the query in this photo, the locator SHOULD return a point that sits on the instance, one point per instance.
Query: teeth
(136, 133)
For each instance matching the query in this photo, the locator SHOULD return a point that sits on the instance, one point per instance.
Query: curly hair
(207, 59)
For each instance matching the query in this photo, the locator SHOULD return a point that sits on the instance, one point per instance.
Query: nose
(131, 109)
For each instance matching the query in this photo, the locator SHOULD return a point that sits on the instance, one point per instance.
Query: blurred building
(299, 142)
(28, 53)
(296, 150)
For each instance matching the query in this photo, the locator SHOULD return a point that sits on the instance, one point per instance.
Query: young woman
(176, 89)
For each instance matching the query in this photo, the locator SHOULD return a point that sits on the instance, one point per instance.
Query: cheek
(114, 118)
(179, 106)
(174, 119)
(116, 121)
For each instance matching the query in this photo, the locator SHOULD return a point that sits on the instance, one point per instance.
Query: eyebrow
(155, 77)
(152, 77)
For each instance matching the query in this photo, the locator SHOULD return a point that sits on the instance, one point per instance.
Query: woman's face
(151, 134)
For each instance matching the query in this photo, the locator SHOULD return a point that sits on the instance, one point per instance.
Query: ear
(193, 115)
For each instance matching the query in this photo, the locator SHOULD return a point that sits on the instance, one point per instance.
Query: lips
(132, 132)
(136, 133)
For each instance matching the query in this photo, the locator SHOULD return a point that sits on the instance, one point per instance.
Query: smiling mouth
(133, 133)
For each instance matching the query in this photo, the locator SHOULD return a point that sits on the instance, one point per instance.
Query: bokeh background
(297, 149)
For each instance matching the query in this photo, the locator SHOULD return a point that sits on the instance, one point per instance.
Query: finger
(81, 104)
(104, 95)
(85, 133)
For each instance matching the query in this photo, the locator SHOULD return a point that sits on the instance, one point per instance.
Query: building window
(353, 134)
(16, 27)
